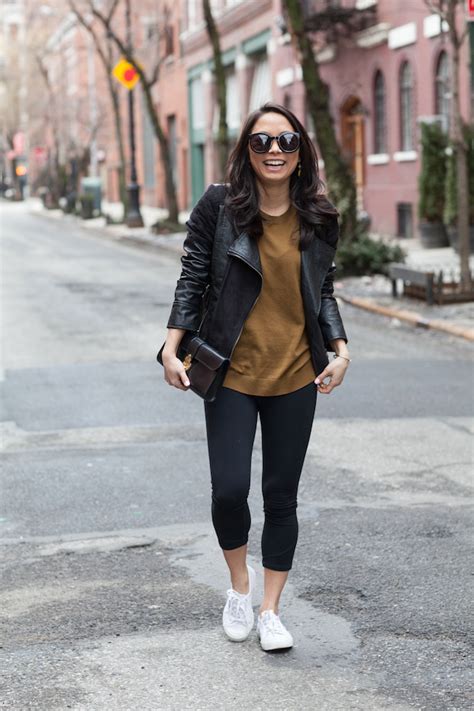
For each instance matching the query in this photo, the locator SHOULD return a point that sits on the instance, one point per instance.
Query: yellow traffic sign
(125, 73)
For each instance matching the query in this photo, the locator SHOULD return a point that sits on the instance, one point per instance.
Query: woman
(260, 251)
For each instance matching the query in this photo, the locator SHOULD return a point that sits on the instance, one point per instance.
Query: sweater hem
(249, 385)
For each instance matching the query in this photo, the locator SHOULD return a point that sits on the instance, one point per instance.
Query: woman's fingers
(334, 374)
(184, 377)
(327, 388)
(175, 374)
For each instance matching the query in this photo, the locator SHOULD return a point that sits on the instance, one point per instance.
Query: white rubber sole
(235, 638)
(273, 647)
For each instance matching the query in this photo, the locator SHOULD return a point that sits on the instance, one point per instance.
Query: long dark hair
(306, 191)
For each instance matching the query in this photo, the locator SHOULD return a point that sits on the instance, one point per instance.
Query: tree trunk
(459, 146)
(108, 63)
(338, 173)
(114, 95)
(165, 155)
(221, 89)
(170, 190)
(120, 144)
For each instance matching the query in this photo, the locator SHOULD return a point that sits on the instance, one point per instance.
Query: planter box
(454, 238)
(433, 235)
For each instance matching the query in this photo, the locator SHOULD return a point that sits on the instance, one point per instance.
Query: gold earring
(299, 169)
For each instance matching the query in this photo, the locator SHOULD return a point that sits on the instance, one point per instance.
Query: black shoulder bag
(205, 367)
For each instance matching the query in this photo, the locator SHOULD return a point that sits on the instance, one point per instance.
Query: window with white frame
(380, 128)
(192, 14)
(197, 104)
(149, 147)
(233, 103)
(406, 107)
(442, 90)
(261, 84)
(173, 146)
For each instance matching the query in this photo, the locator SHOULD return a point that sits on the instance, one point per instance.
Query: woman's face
(275, 166)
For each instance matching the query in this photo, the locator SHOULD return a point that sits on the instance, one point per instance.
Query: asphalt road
(112, 581)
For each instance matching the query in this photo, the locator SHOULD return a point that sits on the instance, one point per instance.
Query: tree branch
(106, 22)
(88, 26)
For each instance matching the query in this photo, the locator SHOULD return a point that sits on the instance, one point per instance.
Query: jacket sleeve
(196, 264)
(329, 318)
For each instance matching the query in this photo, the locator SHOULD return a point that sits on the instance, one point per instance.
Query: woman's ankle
(241, 582)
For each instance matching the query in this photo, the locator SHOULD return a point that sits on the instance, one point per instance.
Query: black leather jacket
(221, 279)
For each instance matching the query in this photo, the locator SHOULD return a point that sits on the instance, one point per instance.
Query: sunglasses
(288, 142)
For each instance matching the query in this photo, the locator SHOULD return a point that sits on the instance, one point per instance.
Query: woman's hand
(175, 373)
(335, 371)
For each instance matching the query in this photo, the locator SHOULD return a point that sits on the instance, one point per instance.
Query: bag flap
(209, 357)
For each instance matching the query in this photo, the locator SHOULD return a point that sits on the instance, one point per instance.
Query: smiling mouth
(275, 163)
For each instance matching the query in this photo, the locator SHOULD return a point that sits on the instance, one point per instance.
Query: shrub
(366, 256)
(450, 214)
(432, 176)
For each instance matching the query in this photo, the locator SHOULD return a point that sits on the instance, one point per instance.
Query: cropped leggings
(286, 423)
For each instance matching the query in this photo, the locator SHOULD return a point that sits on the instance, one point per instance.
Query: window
(442, 93)
(233, 103)
(261, 84)
(309, 123)
(404, 219)
(173, 147)
(169, 40)
(192, 14)
(149, 148)
(406, 107)
(380, 129)
(197, 104)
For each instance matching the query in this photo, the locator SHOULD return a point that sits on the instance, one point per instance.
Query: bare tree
(221, 87)
(54, 166)
(148, 78)
(104, 48)
(452, 12)
(338, 173)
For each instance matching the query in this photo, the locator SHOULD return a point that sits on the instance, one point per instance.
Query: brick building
(383, 79)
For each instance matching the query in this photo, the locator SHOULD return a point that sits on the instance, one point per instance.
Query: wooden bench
(415, 282)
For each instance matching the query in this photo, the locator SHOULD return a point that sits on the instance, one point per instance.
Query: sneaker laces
(273, 623)
(235, 606)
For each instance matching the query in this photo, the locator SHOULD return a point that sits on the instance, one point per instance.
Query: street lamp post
(133, 218)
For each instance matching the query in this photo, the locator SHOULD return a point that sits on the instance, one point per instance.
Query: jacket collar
(314, 258)
(246, 248)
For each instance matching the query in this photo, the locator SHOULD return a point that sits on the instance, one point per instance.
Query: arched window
(406, 107)
(380, 128)
(442, 93)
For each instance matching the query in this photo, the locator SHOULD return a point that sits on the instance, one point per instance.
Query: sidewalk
(371, 293)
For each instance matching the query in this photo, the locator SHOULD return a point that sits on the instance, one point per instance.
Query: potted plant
(450, 206)
(431, 185)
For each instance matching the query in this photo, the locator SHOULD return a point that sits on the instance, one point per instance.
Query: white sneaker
(238, 617)
(272, 633)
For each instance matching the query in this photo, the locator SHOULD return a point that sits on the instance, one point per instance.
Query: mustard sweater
(272, 355)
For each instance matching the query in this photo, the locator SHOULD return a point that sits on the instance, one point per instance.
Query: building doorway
(352, 139)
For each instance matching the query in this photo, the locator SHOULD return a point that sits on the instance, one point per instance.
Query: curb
(145, 240)
(410, 317)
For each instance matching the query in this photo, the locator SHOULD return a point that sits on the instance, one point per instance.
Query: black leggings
(286, 422)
